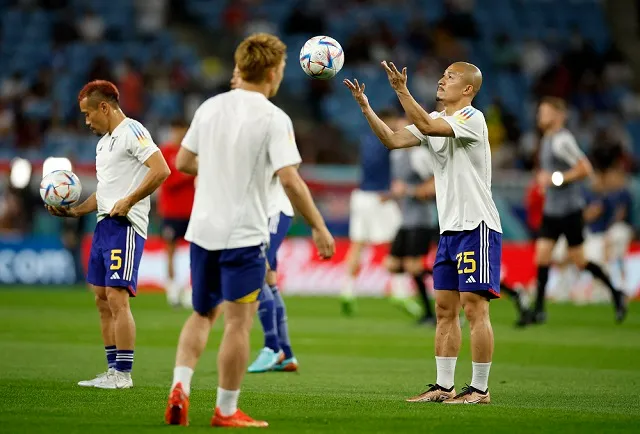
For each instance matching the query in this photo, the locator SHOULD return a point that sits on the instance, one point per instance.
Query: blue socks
(267, 313)
(124, 360)
(111, 356)
(281, 318)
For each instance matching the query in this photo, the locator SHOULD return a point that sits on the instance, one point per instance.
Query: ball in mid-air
(321, 57)
(60, 188)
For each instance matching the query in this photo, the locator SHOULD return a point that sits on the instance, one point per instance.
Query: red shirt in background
(534, 205)
(177, 191)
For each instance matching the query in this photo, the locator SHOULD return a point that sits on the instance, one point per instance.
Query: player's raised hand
(397, 79)
(324, 242)
(60, 211)
(357, 90)
(121, 208)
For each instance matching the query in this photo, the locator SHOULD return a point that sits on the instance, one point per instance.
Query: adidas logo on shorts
(471, 280)
(115, 276)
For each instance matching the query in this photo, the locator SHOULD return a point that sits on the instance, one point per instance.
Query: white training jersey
(462, 170)
(241, 140)
(279, 201)
(120, 158)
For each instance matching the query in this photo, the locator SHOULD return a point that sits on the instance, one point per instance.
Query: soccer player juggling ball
(466, 272)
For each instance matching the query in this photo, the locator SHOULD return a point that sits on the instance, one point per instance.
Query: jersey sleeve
(421, 162)
(191, 139)
(467, 124)
(566, 148)
(282, 148)
(424, 140)
(139, 142)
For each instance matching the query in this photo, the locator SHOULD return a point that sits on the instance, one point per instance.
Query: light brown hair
(257, 54)
(555, 102)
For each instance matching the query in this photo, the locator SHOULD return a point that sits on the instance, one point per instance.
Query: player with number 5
(129, 168)
(466, 272)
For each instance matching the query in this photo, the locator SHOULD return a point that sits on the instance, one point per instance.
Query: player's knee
(413, 266)
(118, 300)
(271, 278)
(102, 303)
(445, 310)
(393, 264)
(476, 311)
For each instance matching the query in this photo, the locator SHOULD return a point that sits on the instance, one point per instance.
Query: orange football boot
(177, 412)
(236, 420)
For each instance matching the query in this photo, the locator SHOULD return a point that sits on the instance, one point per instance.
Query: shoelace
(466, 390)
(432, 387)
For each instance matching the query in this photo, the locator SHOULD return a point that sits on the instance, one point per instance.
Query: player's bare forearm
(426, 190)
(421, 119)
(389, 138)
(581, 170)
(158, 172)
(87, 207)
(300, 197)
(187, 162)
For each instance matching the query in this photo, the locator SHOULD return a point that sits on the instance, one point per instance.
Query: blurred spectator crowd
(166, 56)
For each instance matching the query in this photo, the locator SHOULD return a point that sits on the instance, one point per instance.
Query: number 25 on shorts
(469, 262)
(116, 259)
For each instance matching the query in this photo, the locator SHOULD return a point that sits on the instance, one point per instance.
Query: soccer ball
(321, 57)
(60, 188)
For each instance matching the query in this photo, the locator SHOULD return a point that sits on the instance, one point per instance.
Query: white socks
(182, 374)
(445, 368)
(480, 378)
(227, 401)
(349, 283)
(400, 286)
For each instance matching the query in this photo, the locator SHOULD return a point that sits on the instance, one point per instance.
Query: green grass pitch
(579, 373)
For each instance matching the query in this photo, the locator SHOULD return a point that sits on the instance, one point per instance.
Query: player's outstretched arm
(416, 114)
(187, 161)
(88, 206)
(301, 199)
(389, 138)
(158, 172)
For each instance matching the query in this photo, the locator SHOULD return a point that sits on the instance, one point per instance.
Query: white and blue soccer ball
(60, 188)
(321, 57)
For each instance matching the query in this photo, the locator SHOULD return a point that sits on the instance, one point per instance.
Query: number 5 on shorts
(116, 259)
(468, 259)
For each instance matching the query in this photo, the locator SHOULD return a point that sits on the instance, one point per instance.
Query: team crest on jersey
(464, 115)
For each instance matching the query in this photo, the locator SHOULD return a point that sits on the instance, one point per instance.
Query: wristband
(557, 179)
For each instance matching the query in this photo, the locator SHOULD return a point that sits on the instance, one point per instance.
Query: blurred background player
(174, 206)
(563, 166)
(373, 218)
(228, 229)
(466, 271)
(413, 186)
(129, 168)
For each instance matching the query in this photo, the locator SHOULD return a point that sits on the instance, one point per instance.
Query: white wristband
(557, 179)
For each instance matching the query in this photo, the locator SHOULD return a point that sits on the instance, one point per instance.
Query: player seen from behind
(238, 144)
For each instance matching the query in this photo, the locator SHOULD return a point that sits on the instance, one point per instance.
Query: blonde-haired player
(238, 144)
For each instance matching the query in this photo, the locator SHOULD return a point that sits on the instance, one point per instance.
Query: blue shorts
(469, 261)
(279, 225)
(116, 251)
(235, 275)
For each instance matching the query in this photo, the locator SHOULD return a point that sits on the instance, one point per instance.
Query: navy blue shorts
(469, 261)
(279, 225)
(116, 251)
(235, 275)
(173, 229)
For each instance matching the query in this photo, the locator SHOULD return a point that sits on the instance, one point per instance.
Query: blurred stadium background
(167, 56)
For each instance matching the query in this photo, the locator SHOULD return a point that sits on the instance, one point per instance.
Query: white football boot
(117, 380)
(98, 379)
